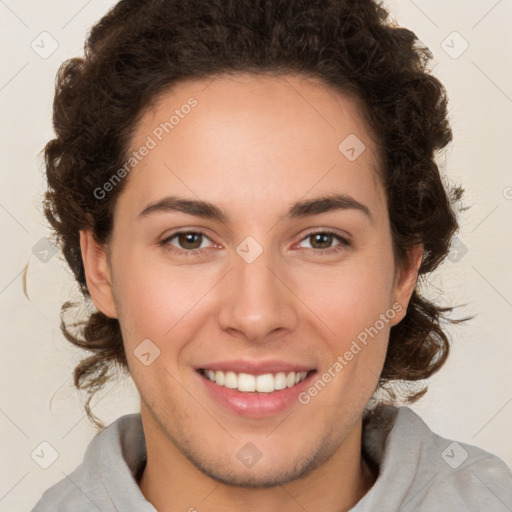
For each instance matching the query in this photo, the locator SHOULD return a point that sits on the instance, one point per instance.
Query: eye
(186, 241)
(321, 241)
(193, 242)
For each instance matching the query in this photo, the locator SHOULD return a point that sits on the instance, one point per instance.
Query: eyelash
(344, 243)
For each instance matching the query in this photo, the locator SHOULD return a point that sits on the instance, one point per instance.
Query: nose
(257, 301)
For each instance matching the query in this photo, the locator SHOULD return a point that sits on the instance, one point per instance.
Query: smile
(248, 383)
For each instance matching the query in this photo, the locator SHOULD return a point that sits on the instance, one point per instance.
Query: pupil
(186, 240)
(327, 240)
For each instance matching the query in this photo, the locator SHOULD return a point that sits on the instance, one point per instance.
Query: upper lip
(256, 367)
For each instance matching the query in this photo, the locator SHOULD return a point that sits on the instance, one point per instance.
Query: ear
(97, 273)
(405, 282)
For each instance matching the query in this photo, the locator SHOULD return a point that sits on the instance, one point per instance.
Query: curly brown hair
(141, 48)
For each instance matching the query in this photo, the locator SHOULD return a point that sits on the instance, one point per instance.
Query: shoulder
(425, 472)
(105, 478)
(62, 496)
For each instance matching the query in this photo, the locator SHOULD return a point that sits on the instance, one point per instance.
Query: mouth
(255, 395)
(249, 383)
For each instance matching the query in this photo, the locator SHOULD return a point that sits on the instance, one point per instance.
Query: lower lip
(256, 405)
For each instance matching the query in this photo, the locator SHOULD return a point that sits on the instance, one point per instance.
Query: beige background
(470, 400)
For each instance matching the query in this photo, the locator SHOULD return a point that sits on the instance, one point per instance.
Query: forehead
(253, 142)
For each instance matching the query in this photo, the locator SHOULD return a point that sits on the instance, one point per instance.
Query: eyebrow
(298, 210)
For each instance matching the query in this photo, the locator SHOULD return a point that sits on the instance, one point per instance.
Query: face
(252, 246)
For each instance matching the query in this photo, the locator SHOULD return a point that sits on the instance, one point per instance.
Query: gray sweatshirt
(419, 471)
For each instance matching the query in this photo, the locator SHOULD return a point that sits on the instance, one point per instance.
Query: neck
(172, 483)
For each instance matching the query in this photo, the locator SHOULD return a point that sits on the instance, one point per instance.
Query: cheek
(157, 300)
(349, 297)
(353, 302)
(161, 304)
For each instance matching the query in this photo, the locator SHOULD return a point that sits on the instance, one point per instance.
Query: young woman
(248, 192)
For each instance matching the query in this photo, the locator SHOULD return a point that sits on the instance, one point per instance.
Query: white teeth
(230, 380)
(248, 383)
(265, 383)
(280, 381)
